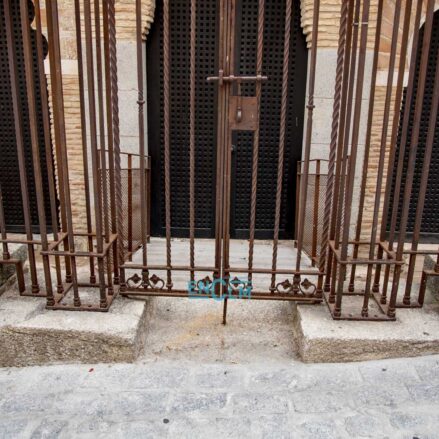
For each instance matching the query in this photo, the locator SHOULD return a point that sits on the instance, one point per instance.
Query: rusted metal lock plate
(243, 114)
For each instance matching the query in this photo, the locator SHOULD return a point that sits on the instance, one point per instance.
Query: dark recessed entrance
(9, 170)
(206, 119)
(430, 222)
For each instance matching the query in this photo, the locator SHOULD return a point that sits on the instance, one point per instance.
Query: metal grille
(430, 222)
(270, 119)
(9, 171)
(206, 118)
(131, 202)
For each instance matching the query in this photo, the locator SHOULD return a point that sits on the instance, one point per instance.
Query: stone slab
(321, 339)
(32, 335)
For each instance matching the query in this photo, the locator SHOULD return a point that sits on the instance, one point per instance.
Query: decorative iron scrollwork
(205, 285)
(239, 286)
(306, 288)
(153, 283)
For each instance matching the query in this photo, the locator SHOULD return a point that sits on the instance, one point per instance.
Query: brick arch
(126, 18)
(329, 21)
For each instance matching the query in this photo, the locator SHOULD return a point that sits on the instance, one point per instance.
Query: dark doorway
(206, 119)
(430, 222)
(9, 170)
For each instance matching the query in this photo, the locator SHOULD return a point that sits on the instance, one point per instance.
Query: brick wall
(126, 31)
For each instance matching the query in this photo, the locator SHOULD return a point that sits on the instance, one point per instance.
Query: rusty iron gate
(238, 111)
(360, 270)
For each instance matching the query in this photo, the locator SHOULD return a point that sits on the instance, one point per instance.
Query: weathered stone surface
(321, 339)
(29, 334)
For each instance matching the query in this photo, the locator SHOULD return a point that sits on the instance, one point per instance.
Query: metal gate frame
(235, 112)
(334, 280)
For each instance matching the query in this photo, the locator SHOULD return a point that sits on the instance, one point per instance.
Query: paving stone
(92, 427)
(260, 403)
(319, 402)
(277, 378)
(390, 373)
(157, 377)
(133, 404)
(428, 370)
(194, 428)
(11, 429)
(424, 392)
(409, 420)
(192, 402)
(49, 429)
(272, 427)
(364, 426)
(26, 404)
(212, 376)
(319, 430)
(138, 430)
(84, 404)
(420, 436)
(380, 394)
(116, 377)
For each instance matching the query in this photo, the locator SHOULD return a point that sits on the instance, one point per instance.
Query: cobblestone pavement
(390, 398)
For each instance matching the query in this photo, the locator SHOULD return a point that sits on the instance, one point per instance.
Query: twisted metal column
(283, 117)
(259, 60)
(334, 134)
(166, 80)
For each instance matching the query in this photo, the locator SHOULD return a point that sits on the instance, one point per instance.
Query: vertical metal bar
(383, 149)
(141, 121)
(343, 139)
(102, 143)
(84, 138)
(227, 150)
(221, 135)
(404, 134)
(148, 198)
(166, 92)
(369, 131)
(337, 133)
(354, 150)
(424, 182)
(308, 137)
(19, 134)
(299, 171)
(112, 133)
(94, 149)
(114, 144)
(60, 133)
(47, 138)
(35, 142)
(282, 130)
(6, 255)
(193, 42)
(259, 60)
(315, 221)
(130, 205)
(334, 134)
(412, 154)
